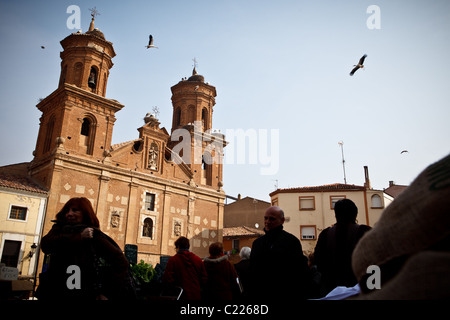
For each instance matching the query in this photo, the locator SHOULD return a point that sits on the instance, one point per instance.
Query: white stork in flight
(150, 43)
(359, 65)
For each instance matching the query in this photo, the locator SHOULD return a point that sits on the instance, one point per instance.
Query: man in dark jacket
(279, 269)
(186, 270)
(334, 248)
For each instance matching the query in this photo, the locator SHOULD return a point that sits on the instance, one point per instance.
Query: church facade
(148, 191)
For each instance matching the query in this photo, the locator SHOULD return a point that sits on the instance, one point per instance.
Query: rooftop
(241, 232)
(322, 188)
(19, 182)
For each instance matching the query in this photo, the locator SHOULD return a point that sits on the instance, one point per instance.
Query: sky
(281, 71)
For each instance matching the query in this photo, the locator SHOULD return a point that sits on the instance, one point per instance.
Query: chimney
(391, 183)
(366, 177)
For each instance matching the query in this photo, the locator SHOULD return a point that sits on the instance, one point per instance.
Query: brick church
(143, 192)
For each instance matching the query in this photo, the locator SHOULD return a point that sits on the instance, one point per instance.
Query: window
(334, 199)
(147, 230)
(149, 201)
(92, 80)
(11, 251)
(18, 213)
(376, 201)
(87, 134)
(206, 172)
(235, 245)
(308, 232)
(307, 203)
(85, 127)
(205, 118)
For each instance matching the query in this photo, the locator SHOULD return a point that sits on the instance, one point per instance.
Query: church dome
(196, 77)
(96, 32)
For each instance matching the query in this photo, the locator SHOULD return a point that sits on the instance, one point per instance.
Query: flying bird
(42, 47)
(359, 65)
(404, 151)
(150, 43)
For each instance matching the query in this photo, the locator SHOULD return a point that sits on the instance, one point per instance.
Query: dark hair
(85, 206)
(182, 243)
(345, 211)
(216, 249)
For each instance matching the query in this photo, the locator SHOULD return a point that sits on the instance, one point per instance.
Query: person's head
(78, 211)
(273, 218)
(216, 249)
(245, 253)
(182, 243)
(345, 211)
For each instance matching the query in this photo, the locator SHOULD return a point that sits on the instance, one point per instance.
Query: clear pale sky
(279, 67)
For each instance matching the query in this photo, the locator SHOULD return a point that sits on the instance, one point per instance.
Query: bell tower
(77, 119)
(86, 60)
(193, 100)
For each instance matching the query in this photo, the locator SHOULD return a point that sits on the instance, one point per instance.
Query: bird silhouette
(359, 65)
(404, 151)
(42, 47)
(150, 43)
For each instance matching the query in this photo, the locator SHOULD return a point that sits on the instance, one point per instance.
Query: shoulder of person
(289, 236)
(364, 228)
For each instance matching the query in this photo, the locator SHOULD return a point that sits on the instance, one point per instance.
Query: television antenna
(341, 143)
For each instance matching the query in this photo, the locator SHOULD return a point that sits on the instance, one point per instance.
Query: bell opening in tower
(92, 82)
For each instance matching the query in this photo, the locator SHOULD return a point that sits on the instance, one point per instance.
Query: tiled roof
(395, 190)
(122, 144)
(327, 187)
(19, 182)
(241, 232)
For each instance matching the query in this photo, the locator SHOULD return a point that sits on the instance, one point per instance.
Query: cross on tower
(195, 63)
(94, 12)
(155, 110)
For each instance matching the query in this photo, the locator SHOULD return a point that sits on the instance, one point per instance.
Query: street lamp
(32, 251)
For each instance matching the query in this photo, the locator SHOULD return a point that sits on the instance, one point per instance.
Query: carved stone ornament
(115, 219)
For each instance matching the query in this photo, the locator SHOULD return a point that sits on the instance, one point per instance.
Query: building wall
(245, 212)
(323, 215)
(27, 231)
(119, 200)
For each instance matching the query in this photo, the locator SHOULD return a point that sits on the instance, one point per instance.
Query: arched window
(87, 134)
(205, 118)
(92, 80)
(206, 168)
(147, 229)
(376, 201)
(85, 127)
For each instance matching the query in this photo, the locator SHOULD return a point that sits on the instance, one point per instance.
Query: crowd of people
(275, 268)
(410, 244)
